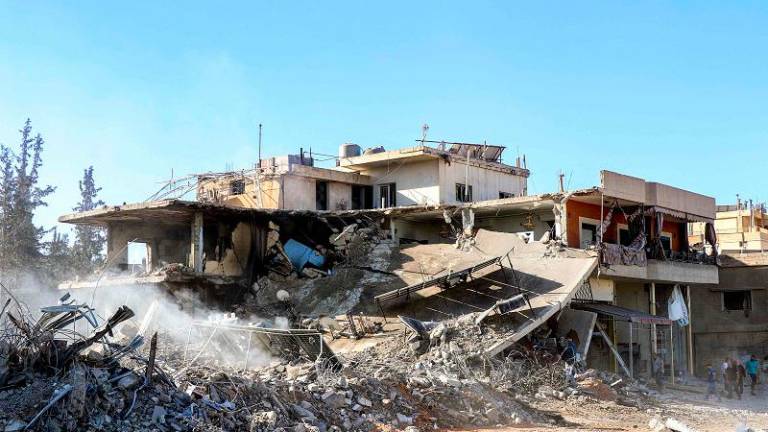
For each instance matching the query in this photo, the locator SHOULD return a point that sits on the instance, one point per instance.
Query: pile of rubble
(56, 379)
(325, 280)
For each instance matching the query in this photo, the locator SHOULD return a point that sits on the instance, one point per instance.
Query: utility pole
(561, 176)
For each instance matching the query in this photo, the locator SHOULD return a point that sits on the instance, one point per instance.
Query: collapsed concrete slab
(494, 269)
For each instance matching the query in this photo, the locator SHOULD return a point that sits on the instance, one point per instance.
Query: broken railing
(279, 342)
(446, 281)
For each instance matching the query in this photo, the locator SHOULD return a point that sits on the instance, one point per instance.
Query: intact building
(734, 316)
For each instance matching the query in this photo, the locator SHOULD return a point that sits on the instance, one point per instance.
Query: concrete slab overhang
(182, 212)
(664, 272)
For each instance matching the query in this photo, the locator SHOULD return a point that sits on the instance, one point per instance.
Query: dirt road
(689, 408)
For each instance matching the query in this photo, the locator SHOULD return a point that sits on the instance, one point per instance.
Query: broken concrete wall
(431, 232)
(219, 190)
(518, 223)
(582, 322)
(229, 254)
(169, 243)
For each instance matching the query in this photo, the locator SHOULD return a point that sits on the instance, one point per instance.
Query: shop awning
(622, 313)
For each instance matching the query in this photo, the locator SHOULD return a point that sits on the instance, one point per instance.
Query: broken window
(737, 300)
(321, 195)
(463, 192)
(387, 193)
(237, 187)
(503, 195)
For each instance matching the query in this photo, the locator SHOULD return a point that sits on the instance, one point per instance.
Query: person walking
(712, 383)
(738, 383)
(752, 366)
(725, 369)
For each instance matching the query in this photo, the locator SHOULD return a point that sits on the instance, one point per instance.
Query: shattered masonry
(424, 316)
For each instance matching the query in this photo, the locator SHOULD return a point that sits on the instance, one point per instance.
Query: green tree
(89, 240)
(59, 260)
(20, 196)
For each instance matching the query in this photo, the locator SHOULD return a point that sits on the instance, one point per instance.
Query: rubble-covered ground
(63, 368)
(405, 382)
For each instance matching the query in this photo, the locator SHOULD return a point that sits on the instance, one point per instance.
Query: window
(588, 234)
(463, 192)
(737, 300)
(138, 257)
(503, 195)
(362, 197)
(666, 243)
(321, 195)
(387, 194)
(237, 187)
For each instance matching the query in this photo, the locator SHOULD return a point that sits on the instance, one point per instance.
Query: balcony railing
(616, 254)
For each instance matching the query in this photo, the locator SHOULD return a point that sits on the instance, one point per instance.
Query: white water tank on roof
(348, 150)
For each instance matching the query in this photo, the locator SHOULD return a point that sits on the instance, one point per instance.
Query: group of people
(733, 374)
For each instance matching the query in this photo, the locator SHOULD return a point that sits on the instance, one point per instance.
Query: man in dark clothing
(731, 373)
(711, 383)
(740, 375)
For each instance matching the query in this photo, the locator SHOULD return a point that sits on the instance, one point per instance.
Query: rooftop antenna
(259, 145)
(561, 176)
(257, 175)
(424, 130)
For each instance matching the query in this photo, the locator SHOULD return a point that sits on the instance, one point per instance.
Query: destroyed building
(640, 231)
(616, 254)
(446, 173)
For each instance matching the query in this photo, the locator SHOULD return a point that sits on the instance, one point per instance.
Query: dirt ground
(687, 407)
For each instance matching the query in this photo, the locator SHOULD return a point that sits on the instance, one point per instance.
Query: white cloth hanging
(678, 311)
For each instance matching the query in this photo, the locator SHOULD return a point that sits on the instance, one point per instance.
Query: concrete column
(393, 230)
(615, 344)
(631, 353)
(672, 354)
(151, 256)
(690, 331)
(196, 243)
(654, 347)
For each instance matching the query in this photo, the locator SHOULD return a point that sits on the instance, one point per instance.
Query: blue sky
(668, 91)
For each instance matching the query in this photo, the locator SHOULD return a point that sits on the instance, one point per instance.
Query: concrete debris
(425, 374)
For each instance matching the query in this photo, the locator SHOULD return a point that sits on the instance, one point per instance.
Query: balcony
(675, 267)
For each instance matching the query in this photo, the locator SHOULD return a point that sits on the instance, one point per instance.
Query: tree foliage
(21, 241)
(89, 240)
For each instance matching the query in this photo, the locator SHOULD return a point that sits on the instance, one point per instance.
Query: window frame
(391, 198)
(466, 197)
(749, 299)
(588, 221)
